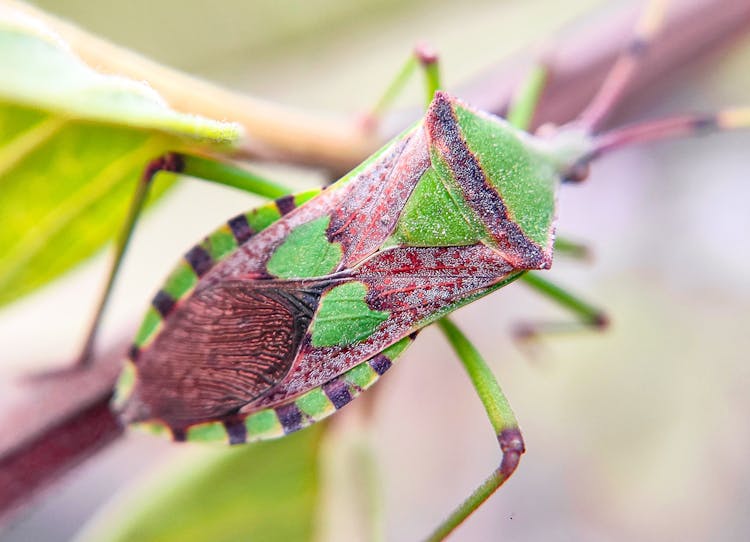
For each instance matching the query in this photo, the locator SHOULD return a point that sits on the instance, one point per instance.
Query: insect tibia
(425, 54)
(169, 162)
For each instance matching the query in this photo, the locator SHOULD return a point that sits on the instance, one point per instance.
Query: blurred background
(637, 433)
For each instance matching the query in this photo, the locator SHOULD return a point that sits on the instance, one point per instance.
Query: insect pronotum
(285, 313)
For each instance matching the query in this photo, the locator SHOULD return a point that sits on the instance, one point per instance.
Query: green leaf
(264, 491)
(73, 142)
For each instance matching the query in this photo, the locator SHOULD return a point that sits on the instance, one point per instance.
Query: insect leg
(679, 126)
(501, 417)
(428, 60)
(422, 57)
(525, 99)
(587, 315)
(624, 68)
(572, 249)
(173, 163)
(228, 174)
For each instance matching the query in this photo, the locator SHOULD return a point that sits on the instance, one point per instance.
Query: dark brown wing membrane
(226, 345)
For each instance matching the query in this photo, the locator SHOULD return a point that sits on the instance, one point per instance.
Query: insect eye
(578, 173)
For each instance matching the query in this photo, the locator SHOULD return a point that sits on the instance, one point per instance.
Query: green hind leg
(424, 58)
(526, 98)
(587, 315)
(193, 166)
(495, 403)
(501, 417)
(571, 249)
(498, 409)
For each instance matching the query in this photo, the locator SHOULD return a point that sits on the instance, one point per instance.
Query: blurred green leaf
(264, 491)
(72, 144)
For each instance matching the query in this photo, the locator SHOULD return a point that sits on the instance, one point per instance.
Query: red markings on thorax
(412, 284)
(426, 279)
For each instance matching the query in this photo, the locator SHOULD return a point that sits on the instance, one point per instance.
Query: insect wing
(225, 346)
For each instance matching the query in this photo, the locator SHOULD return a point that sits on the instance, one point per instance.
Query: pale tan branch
(694, 28)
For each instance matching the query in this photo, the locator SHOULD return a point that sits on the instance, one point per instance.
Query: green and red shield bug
(286, 313)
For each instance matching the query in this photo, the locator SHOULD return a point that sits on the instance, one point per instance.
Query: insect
(285, 313)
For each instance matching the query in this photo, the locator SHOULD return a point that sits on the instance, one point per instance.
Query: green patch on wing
(73, 143)
(344, 317)
(306, 252)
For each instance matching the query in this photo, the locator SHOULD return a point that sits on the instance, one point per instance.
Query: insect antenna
(615, 84)
(669, 128)
(624, 68)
